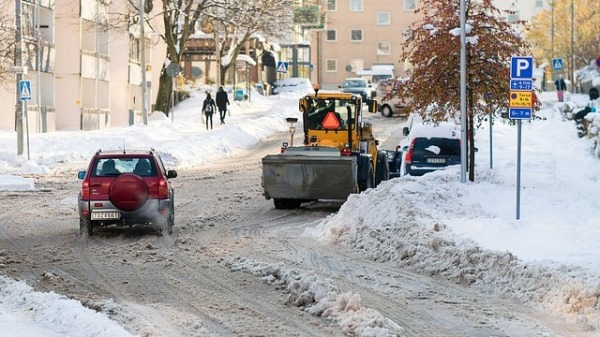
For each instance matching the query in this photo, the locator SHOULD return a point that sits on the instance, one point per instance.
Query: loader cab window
(328, 114)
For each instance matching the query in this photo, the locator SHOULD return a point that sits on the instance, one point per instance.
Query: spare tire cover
(128, 192)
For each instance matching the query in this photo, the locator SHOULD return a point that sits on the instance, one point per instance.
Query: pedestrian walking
(222, 103)
(208, 108)
(561, 86)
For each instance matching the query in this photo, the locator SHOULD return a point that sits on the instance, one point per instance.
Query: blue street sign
(521, 67)
(519, 113)
(25, 90)
(282, 67)
(557, 64)
(526, 85)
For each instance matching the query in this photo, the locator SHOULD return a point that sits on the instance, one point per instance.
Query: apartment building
(84, 65)
(360, 35)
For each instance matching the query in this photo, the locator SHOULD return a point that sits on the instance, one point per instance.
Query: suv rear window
(436, 146)
(142, 166)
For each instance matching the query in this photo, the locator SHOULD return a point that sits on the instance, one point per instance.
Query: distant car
(431, 148)
(390, 104)
(293, 84)
(358, 86)
(126, 188)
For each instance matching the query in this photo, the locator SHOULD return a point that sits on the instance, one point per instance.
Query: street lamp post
(19, 73)
(143, 62)
(572, 57)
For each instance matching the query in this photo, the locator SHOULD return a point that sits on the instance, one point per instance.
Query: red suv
(126, 188)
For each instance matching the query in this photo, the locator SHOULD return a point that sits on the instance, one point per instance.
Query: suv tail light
(408, 157)
(163, 189)
(85, 190)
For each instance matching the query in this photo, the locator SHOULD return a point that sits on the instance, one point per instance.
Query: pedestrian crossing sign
(25, 90)
(557, 64)
(282, 67)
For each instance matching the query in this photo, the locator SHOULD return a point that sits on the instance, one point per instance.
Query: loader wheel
(286, 203)
(364, 185)
(383, 168)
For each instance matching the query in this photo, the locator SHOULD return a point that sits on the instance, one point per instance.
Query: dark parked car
(358, 86)
(126, 188)
(431, 148)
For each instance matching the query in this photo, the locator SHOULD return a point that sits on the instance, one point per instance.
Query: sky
(549, 253)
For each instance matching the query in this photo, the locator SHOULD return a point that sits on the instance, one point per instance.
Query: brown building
(358, 35)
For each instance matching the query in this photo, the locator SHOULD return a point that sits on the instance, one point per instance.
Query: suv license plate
(436, 160)
(106, 215)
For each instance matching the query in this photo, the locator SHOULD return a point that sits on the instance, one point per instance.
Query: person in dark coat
(561, 86)
(208, 108)
(222, 103)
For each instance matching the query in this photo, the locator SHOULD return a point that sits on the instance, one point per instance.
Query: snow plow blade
(308, 178)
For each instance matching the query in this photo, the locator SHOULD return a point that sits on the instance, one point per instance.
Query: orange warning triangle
(331, 122)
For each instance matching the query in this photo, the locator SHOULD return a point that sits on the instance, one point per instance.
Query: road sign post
(521, 104)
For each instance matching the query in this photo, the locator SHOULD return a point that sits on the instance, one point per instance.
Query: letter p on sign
(521, 67)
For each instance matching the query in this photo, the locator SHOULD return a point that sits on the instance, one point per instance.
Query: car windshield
(141, 166)
(354, 83)
(329, 114)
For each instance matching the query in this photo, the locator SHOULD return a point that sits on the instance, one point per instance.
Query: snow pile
(320, 298)
(415, 234)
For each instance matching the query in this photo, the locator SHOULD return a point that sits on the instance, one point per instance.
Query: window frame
(334, 31)
(356, 5)
(352, 31)
(335, 65)
(385, 22)
(389, 48)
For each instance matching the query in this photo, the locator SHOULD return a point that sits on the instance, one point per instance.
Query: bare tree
(238, 20)
(433, 48)
(7, 44)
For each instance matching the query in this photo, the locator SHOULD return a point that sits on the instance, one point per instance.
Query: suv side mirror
(405, 131)
(171, 174)
(81, 174)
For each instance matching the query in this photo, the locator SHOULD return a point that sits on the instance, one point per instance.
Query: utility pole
(143, 62)
(19, 72)
(463, 94)
(572, 60)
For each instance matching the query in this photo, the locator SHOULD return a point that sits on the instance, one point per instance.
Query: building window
(356, 5)
(383, 18)
(356, 35)
(410, 5)
(331, 35)
(383, 48)
(513, 18)
(539, 4)
(134, 49)
(331, 65)
(406, 35)
(332, 5)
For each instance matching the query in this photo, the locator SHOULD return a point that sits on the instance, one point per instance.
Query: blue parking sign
(521, 67)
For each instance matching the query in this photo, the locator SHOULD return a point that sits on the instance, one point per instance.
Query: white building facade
(83, 63)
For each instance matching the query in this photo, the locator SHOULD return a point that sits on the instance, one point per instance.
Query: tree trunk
(165, 93)
(222, 73)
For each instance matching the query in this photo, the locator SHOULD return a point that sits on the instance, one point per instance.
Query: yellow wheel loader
(338, 157)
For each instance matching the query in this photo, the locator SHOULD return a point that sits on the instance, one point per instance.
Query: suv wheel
(85, 226)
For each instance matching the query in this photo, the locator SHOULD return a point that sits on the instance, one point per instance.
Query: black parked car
(432, 148)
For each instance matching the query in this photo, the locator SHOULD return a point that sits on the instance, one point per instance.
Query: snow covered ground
(469, 233)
